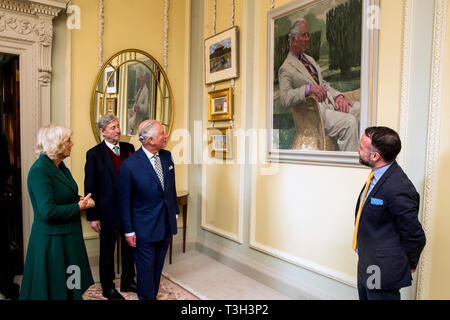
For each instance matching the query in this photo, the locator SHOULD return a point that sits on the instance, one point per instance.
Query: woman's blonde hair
(51, 140)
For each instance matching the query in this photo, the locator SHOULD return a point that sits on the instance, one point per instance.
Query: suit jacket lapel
(67, 180)
(165, 168)
(383, 179)
(107, 158)
(301, 68)
(148, 166)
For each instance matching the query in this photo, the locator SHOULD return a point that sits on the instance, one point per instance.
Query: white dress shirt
(111, 146)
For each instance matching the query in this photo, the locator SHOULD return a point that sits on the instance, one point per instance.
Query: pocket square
(171, 168)
(376, 202)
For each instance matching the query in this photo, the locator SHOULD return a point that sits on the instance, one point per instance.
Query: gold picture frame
(220, 142)
(111, 106)
(221, 56)
(220, 105)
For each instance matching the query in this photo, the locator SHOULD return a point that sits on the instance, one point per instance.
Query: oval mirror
(133, 86)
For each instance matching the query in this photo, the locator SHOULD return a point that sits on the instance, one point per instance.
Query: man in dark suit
(101, 177)
(148, 205)
(388, 235)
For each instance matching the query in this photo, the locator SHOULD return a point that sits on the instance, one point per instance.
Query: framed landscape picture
(221, 56)
(220, 142)
(220, 105)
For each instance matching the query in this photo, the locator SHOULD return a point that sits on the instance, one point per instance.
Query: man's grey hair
(294, 30)
(105, 120)
(147, 131)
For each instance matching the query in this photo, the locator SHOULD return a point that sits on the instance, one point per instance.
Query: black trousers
(149, 264)
(108, 239)
(373, 294)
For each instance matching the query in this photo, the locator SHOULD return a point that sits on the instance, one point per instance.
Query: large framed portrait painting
(322, 72)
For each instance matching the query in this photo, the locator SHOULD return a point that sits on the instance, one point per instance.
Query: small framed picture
(111, 106)
(110, 80)
(221, 56)
(220, 142)
(220, 105)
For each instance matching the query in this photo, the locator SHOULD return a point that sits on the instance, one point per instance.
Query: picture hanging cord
(166, 33)
(232, 25)
(272, 4)
(100, 35)
(214, 28)
(214, 18)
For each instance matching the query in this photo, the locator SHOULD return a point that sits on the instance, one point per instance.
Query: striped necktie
(158, 170)
(312, 71)
(361, 204)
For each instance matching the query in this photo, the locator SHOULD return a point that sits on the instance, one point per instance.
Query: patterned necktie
(361, 203)
(310, 68)
(158, 170)
(116, 150)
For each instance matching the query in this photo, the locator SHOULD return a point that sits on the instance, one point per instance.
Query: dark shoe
(131, 287)
(112, 294)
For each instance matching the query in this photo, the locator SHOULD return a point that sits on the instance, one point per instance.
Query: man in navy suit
(388, 235)
(148, 205)
(101, 177)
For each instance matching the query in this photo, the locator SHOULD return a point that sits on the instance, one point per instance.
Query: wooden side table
(182, 197)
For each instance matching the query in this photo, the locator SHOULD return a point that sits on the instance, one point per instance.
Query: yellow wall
(289, 216)
(306, 212)
(440, 278)
(222, 181)
(127, 24)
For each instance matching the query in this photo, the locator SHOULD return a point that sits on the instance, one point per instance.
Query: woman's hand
(86, 202)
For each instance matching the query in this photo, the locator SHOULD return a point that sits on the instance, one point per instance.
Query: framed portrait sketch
(110, 80)
(220, 105)
(322, 75)
(220, 142)
(221, 56)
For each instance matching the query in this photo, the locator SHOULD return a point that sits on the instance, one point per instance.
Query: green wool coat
(56, 265)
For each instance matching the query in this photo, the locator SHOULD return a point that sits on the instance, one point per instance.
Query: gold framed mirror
(133, 86)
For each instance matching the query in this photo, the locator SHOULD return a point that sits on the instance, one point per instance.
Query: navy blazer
(100, 179)
(145, 208)
(390, 235)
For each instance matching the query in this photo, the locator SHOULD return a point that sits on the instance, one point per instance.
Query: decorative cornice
(428, 212)
(32, 7)
(23, 26)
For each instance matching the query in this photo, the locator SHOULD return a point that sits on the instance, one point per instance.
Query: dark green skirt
(56, 266)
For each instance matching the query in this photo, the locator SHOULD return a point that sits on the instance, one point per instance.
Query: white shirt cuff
(129, 234)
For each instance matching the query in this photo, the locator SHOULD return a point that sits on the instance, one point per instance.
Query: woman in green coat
(56, 265)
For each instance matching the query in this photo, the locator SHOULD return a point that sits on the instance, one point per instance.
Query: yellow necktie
(361, 203)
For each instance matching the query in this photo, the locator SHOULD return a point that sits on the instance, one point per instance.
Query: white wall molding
(428, 212)
(405, 81)
(304, 263)
(26, 30)
(280, 281)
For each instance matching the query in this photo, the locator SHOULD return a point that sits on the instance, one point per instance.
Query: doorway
(12, 219)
